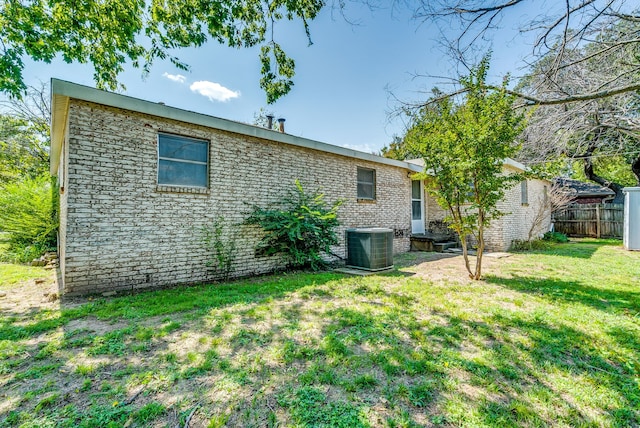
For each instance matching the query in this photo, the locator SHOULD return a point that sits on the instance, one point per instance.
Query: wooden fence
(593, 220)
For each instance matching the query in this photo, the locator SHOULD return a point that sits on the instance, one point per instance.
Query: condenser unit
(370, 248)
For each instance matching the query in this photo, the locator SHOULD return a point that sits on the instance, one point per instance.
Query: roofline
(62, 91)
(508, 162)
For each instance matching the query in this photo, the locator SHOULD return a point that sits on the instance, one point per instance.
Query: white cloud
(175, 77)
(213, 91)
(360, 147)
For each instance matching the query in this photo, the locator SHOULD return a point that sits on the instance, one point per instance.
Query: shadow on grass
(572, 292)
(333, 355)
(581, 249)
(158, 303)
(519, 351)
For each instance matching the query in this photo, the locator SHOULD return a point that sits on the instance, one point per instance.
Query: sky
(346, 82)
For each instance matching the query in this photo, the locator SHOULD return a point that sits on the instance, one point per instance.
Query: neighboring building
(138, 180)
(586, 193)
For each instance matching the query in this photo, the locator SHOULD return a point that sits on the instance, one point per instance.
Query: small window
(182, 161)
(524, 192)
(366, 183)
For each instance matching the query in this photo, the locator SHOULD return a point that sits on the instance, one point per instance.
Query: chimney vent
(270, 121)
(281, 123)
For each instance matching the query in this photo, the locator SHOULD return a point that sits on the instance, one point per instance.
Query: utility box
(370, 248)
(631, 233)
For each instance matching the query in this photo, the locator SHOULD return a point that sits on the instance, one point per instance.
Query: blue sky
(342, 82)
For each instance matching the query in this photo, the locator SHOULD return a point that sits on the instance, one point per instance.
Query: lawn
(550, 338)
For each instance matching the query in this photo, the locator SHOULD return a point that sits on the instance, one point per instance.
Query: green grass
(11, 274)
(549, 338)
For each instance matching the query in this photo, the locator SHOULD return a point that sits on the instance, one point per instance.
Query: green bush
(28, 218)
(533, 245)
(300, 228)
(555, 237)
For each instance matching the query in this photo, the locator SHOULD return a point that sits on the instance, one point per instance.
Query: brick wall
(518, 218)
(122, 231)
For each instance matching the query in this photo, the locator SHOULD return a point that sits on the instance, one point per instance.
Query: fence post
(598, 226)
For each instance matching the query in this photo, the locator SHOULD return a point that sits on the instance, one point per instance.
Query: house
(586, 193)
(138, 180)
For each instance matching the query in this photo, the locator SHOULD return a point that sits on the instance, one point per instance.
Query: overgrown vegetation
(556, 237)
(28, 217)
(220, 247)
(28, 196)
(549, 338)
(300, 228)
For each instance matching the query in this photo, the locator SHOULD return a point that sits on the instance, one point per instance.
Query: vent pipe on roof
(270, 121)
(281, 123)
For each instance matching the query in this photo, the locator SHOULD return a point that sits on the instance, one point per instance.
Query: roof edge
(62, 88)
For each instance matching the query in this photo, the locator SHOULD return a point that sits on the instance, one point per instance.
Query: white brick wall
(120, 231)
(516, 222)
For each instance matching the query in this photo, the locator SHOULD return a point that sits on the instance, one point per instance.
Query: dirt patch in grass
(443, 266)
(30, 296)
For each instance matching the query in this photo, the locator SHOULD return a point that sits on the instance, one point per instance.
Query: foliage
(222, 251)
(111, 33)
(556, 237)
(612, 168)
(598, 137)
(522, 245)
(464, 146)
(29, 217)
(396, 149)
(23, 150)
(301, 228)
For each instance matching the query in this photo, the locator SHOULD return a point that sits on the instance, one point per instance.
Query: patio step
(441, 246)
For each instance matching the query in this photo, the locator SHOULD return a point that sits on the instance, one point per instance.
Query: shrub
(28, 217)
(533, 245)
(221, 253)
(555, 237)
(300, 228)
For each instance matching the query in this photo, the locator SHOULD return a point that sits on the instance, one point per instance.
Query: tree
(560, 29)
(396, 149)
(464, 146)
(111, 33)
(24, 135)
(593, 131)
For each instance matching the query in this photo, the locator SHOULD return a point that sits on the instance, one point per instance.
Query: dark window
(416, 210)
(415, 190)
(524, 192)
(182, 161)
(366, 183)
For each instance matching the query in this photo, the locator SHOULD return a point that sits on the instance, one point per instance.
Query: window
(366, 183)
(416, 201)
(182, 161)
(524, 192)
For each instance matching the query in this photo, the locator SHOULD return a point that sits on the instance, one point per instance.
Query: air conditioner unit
(370, 248)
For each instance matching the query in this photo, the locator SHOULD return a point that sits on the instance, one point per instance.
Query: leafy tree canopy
(464, 145)
(111, 33)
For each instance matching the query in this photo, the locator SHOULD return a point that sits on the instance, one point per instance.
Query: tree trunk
(617, 188)
(635, 167)
(480, 249)
(465, 254)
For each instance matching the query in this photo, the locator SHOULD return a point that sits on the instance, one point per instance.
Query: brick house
(138, 179)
